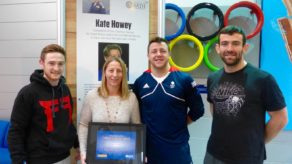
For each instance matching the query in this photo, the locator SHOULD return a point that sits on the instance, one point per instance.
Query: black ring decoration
(217, 12)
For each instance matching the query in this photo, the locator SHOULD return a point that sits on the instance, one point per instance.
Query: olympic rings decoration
(206, 53)
(201, 52)
(183, 19)
(217, 12)
(255, 9)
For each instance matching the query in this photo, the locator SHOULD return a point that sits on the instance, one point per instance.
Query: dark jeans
(209, 159)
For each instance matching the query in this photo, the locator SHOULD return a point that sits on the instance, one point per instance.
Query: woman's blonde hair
(124, 89)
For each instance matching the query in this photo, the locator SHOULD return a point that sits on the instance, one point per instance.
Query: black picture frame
(120, 143)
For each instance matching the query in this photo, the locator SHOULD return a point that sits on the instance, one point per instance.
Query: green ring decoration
(206, 53)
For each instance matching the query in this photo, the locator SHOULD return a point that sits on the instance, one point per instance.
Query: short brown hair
(110, 47)
(157, 40)
(52, 48)
(230, 30)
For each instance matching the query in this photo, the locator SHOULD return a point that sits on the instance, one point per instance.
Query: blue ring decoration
(183, 17)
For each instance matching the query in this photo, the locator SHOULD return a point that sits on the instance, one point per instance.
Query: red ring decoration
(255, 9)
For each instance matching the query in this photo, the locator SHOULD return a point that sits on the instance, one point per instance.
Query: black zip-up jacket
(41, 128)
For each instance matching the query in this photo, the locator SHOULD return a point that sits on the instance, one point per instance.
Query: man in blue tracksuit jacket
(169, 101)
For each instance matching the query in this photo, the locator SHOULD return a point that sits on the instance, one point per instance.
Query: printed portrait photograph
(106, 50)
(96, 6)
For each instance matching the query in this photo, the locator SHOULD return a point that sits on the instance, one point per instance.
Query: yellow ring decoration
(201, 52)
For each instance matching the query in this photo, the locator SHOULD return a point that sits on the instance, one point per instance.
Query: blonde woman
(111, 102)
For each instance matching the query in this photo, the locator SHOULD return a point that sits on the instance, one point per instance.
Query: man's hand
(82, 158)
(77, 154)
(277, 122)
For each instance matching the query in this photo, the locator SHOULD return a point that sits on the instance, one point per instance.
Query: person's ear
(217, 48)
(42, 63)
(245, 47)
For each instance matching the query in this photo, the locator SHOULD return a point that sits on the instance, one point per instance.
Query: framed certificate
(111, 143)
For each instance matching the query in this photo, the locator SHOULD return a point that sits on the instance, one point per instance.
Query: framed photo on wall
(111, 143)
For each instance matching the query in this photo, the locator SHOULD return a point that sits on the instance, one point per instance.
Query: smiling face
(231, 49)
(113, 74)
(53, 66)
(158, 55)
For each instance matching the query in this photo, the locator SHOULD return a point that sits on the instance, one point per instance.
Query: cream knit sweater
(112, 109)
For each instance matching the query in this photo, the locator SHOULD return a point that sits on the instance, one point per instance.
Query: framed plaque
(112, 143)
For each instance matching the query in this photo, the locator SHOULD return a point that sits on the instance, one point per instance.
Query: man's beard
(234, 62)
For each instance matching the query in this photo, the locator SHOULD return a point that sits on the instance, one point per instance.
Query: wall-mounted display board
(121, 22)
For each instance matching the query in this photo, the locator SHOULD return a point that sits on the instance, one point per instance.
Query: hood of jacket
(38, 77)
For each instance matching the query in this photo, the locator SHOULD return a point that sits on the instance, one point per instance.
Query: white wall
(26, 26)
(217, 2)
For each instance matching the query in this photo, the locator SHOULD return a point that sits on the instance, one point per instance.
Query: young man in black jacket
(41, 121)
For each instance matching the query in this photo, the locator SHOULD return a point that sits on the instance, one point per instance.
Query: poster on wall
(104, 23)
(285, 24)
